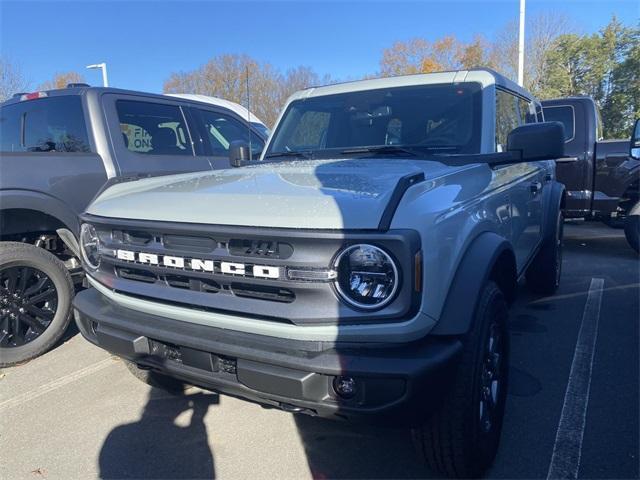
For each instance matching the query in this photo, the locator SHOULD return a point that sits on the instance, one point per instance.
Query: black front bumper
(394, 384)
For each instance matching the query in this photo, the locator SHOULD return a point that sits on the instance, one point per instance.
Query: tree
(604, 66)
(418, 55)
(61, 80)
(11, 79)
(225, 76)
(540, 35)
(476, 54)
(622, 106)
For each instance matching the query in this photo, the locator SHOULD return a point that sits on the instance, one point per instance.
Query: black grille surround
(299, 302)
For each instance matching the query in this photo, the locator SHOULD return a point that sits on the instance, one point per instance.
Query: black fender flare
(41, 202)
(555, 203)
(473, 272)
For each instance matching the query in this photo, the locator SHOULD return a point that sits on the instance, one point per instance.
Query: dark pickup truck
(57, 150)
(601, 177)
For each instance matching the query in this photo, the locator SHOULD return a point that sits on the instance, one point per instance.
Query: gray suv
(58, 150)
(361, 271)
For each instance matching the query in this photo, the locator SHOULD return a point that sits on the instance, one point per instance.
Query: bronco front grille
(261, 273)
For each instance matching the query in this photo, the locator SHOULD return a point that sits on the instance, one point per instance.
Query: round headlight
(89, 245)
(367, 277)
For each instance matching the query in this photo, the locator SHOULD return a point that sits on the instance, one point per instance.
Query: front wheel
(35, 301)
(632, 231)
(461, 439)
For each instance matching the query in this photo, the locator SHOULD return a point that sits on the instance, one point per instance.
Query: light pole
(102, 66)
(521, 45)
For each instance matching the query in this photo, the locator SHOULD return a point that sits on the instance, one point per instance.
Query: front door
(526, 179)
(527, 210)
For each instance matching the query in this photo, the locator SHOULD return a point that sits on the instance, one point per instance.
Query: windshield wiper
(291, 153)
(382, 149)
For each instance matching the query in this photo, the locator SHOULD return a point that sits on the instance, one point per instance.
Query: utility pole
(102, 66)
(249, 116)
(521, 45)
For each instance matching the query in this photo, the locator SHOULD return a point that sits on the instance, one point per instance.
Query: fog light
(345, 387)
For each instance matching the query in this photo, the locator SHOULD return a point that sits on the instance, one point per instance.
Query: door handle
(535, 187)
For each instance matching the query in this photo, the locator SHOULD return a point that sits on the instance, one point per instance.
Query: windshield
(424, 119)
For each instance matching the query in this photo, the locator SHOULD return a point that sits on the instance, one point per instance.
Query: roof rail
(76, 85)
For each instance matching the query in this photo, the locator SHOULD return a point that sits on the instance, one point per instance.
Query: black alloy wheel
(491, 378)
(28, 303)
(36, 291)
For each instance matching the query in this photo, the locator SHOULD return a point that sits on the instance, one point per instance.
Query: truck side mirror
(537, 141)
(634, 147)
(239, 153)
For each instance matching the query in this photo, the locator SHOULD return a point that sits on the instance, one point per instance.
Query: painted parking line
(565, 460)
(55, 384)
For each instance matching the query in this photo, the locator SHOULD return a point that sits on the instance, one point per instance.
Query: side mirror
(239, 153)
(537, 141)
(634, 147)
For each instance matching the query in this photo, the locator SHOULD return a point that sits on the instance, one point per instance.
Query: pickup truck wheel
(543, 275)
(156, 380)
(461, 439)
(632, 231)
(35, 302)
(613, 222)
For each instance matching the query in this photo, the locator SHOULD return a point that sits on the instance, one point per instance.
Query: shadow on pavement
(346, 450)
(598, 242)
(169, 441)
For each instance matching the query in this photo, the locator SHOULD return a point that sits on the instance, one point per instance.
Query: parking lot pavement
(77, 413)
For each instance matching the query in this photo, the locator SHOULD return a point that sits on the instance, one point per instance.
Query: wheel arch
(557, 202)
(23, 212)
(488, 257)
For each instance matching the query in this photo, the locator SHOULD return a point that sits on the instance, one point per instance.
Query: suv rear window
(563, 114)
(53, 124)
(153, 128)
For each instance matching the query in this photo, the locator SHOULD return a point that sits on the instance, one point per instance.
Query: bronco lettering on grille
(199, 265)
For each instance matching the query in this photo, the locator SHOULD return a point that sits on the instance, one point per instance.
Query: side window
(527, 111)
(223, 129)
(54, 124)
(153, 128)
(507, 118)
(10, 120)
(563, 114)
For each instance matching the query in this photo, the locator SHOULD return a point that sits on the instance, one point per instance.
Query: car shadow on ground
(345, 450)
(597, 241)
(169, 441)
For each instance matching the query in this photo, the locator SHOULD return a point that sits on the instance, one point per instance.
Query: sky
(142, 42)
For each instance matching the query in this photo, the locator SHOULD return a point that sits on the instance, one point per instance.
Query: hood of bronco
(320, 194)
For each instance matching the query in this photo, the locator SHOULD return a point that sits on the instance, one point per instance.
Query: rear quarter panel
(67, 179)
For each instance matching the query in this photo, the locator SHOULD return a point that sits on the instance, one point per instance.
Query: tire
(632, 231)
(613, 222)
(156, 380)
(457, 441)
(543, 275)
(35, 302)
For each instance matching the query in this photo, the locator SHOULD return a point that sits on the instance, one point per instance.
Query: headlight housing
(367, 276)
(90, 245)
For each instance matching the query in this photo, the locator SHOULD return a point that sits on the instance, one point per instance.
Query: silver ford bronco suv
(360, 270)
